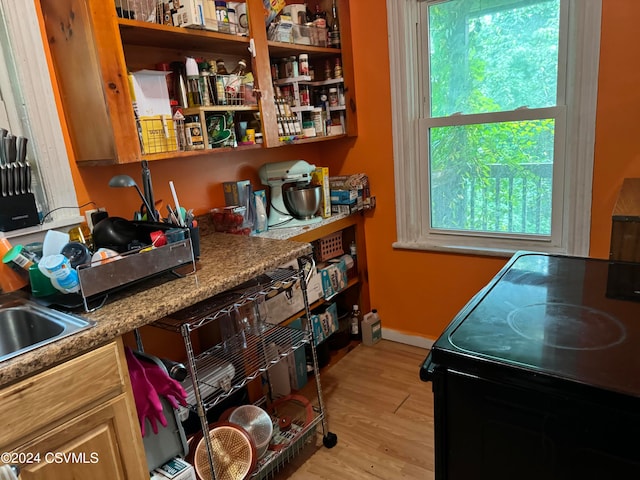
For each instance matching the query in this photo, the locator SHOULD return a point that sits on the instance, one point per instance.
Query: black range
(538, 376)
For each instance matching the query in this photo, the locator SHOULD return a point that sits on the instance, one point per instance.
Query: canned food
(193, 131)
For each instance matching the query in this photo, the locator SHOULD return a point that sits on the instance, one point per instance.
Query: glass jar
(337, 69)
(333, 97)
(305, 96)
(222, 16)
(303, 61)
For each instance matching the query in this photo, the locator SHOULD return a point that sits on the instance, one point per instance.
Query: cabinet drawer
(48, 397)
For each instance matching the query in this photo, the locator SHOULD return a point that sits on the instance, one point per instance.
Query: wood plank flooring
(382, 414)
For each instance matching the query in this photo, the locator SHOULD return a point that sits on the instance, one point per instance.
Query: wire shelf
(227, 367)
(252, 348)
(214, 308)
(269, 465)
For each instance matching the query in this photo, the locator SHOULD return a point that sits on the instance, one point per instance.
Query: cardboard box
(334, 278)
(210, 18)
(290, 302)
(357, 181)
(347, 209)
(320, 176)
(328, 316)
(190, 14)
(176, 469)
(343, 197)
(235, 193)
(318, 331)
(150, 93)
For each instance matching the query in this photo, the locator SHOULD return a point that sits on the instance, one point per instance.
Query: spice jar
(305, 97)
(327, 70)
(303, 61)
(337, 70)
(294, 66)
(333, 97)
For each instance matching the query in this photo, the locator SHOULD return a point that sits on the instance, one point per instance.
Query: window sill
(471, 250)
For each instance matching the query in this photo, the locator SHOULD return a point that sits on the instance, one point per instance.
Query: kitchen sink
(25, 325)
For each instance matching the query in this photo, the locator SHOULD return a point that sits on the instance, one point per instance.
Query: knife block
(18, 211)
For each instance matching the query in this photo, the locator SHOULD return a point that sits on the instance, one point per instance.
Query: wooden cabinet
(75, 420)
(92, 51)
(91, 72)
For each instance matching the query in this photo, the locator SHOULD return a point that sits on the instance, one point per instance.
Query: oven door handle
(427, 369)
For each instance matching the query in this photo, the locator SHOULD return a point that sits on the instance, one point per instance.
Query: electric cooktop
(566, 317)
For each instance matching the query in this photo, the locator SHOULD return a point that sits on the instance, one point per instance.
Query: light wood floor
(382, 414)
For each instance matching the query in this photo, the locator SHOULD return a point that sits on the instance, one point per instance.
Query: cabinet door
(98, 445)
(88, 60)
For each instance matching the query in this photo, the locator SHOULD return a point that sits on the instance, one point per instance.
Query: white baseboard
(414, 340)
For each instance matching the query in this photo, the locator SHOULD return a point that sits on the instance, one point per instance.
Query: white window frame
(574, 183)
(31, 109)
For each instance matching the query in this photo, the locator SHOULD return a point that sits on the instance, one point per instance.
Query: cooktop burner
(553, 315)
(568, 326)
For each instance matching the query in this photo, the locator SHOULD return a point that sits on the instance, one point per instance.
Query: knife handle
(10, 148)
(27, 176)
(10, 179)
(3, 180)
(21, 149)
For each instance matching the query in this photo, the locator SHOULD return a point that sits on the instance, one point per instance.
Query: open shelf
(135, 32)
(282, 49)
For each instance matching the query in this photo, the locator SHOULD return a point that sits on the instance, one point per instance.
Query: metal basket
(159, 134)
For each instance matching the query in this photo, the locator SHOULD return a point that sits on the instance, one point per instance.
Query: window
(28, 109)
(489, 155)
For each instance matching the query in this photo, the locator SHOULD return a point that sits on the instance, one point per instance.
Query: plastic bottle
(354, 323)
(206, 90)
(194, 96)
(371, 328)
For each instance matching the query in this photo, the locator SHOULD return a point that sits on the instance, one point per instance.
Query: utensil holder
(18, 211)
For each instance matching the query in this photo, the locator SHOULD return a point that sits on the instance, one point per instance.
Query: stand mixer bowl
(302, 200)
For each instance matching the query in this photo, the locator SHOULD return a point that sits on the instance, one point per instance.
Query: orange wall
(415, 292)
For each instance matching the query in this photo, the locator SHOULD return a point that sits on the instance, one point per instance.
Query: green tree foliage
(492, 56)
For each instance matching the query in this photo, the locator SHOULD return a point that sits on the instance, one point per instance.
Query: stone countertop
(225, 262)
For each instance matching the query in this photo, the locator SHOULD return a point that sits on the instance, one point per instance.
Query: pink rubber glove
(147, 401)
(164, 384)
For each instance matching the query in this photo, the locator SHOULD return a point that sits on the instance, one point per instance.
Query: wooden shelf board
(324, 230)
(278, 49)
(196, 153)
(220, 108)
(135, 32)
(312, 140)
